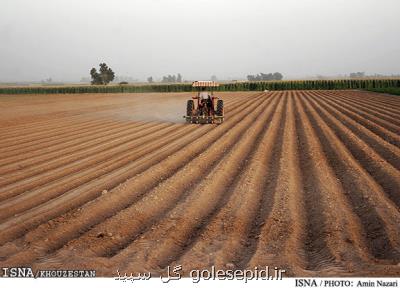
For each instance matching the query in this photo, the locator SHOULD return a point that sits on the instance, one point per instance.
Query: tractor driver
(205, 98)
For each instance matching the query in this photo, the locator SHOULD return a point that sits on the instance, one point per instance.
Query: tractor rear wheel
(189, 110)
(220, 108)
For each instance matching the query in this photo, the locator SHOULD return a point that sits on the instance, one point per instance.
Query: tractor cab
(204, 107)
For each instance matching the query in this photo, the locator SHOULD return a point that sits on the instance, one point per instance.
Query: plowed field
(307, 181)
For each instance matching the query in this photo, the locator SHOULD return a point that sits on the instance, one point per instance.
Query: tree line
(106, 75)
(265, 77)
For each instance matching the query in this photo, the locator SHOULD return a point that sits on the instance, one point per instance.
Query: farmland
(333, 84)
(304, 180)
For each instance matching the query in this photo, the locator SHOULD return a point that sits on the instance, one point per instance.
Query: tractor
(208, 108)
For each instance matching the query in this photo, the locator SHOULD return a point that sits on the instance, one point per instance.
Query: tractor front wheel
(189, 110)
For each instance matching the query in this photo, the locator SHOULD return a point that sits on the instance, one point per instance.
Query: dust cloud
(159, 110)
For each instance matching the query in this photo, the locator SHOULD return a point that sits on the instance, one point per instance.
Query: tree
(96, 80)
(150, 79)
(105, 76)
(277, 76)
(357, 75)
(172, 78)
(265, 77)
(251, 78)
(214, 78)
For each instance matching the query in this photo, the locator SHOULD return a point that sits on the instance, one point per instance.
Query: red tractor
(208, 108)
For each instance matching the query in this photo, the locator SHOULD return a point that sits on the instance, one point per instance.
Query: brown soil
(307, 181)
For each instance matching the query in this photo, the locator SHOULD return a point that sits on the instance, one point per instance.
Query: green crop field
(390, 90)
(236, 86)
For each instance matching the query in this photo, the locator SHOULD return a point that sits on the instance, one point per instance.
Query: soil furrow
(168, 191)
(306, 181)
(383, 127)
(226, 238)
(68, 179)
(134, 148)
(383, 173)
(279, 234)
(36, 127)
(383, 120)
(47, 159)
(380, 219)
(72, 130)
(271, 236)
(82, 155)
(110, 203)
(389, 152)
(182, 226)
(377, 98)
(55, 145)
(383, 111)
(77, 145)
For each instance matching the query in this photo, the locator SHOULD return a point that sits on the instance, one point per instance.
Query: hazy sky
(63, 39)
